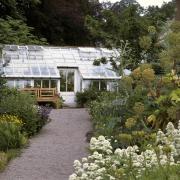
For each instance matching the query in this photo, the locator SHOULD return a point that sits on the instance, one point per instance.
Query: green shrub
(23, 106)
(85, 97)
(150, 102)
(161, 173)
(59, 103)
(10, 136)
(3, 160)
(12, 153)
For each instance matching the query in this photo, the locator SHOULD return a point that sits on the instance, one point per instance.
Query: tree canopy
(128, 21)
(85, 22)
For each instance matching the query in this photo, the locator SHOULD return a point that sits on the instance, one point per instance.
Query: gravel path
(51, 154)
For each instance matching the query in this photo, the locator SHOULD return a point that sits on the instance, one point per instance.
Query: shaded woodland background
(66, 22)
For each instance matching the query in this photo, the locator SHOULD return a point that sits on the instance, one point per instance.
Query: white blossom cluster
(103, 162)
(101, 145)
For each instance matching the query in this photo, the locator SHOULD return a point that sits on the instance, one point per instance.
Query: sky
(145, 3)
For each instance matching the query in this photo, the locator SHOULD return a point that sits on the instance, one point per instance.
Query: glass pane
(45, 84)
(44, 71)
(63, 80)
(68, 56)
(8, 71)
(32, 57)
(113, 86)
(19, 84)
(110, 73)
(52, 71)
(35, 70)
(101, 71)
(95, 85)
(103, 85)
(70, 81)
(53, 83)
(10, 83)
(27, 71)
(39, 57)
(27, 83)
(17, 71)
(37, 83)
(14, 56)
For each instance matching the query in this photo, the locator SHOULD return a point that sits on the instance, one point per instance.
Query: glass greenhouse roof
(31, 71)
(97, 72)
(38, 61)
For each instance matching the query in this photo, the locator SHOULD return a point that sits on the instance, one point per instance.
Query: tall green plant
(23, 106)
(10, 136)
(13, 31)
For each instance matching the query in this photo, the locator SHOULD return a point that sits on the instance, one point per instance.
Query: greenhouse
(67, 69)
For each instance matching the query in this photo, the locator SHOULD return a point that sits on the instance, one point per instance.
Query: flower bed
(130, 163)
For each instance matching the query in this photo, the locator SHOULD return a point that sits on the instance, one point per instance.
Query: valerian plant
(130, 163)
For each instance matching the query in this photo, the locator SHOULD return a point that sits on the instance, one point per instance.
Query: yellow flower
(136, 73)
(152, 29)
(145, 66)
(148, 75)
(11, 119)
(151, 118)
(130, 122)
(126, 138)
(138, 133)
(127, 80)
(138, 108)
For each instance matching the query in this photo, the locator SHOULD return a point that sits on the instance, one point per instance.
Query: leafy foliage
(16, 8)
(85, 97)
(17, 32)
(170, 58)
(23, 106)
(3, 160)
(132, 163)
(128, 21)
(10, 136)
(150, 101)
(63, 22)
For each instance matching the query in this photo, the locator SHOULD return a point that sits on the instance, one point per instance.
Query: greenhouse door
(67, 85)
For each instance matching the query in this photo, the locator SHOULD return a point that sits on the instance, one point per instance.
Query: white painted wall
(85, 84)
(69, 98)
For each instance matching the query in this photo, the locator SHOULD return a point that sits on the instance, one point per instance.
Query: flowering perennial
(103, 163)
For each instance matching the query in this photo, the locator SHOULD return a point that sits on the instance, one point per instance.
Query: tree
(170, 58)
(61, 21)
(178, 10)
(128, 21)
(15, 8)
(17, 32)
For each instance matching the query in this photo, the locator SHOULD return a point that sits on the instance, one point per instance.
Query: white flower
(85, 166)
(84, 176)
(101, 138)
(84, 160)
(99, 178)
(77, 163)
(93, 140)
(96, 166)
(73, 177)
(118, 152)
